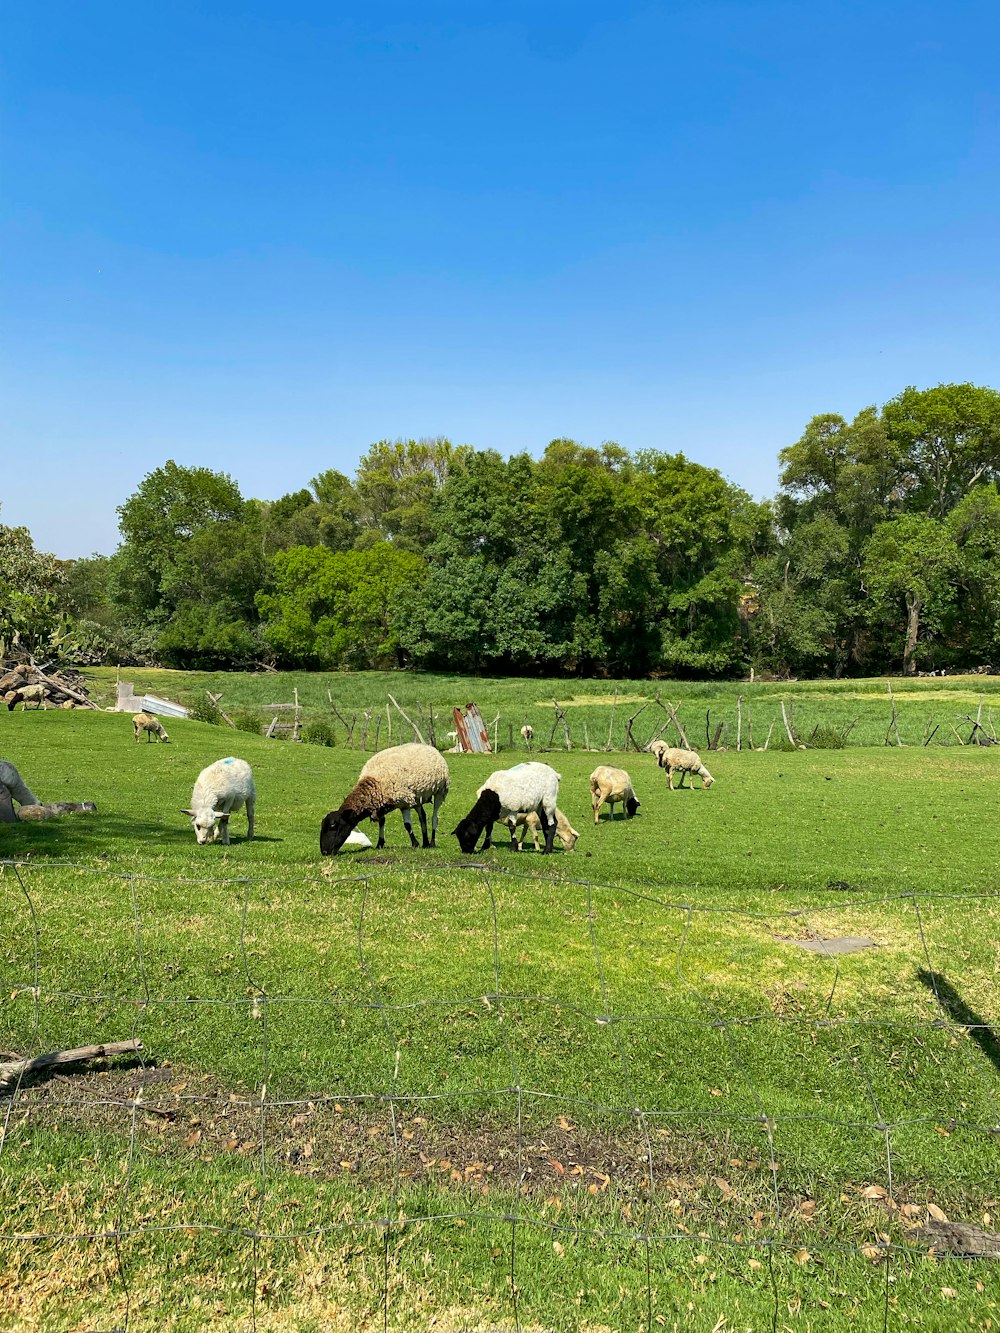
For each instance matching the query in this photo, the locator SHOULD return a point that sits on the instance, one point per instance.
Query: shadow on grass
(959, 1012)
(86, 835)
(105, 835)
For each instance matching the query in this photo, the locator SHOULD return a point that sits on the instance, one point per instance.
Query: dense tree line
(880, 551)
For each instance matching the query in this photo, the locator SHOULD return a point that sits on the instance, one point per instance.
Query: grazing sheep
(221, 789)
(15, 784)
(683, 762)
(152, 726)
(510, 792)
(404, 777)
(530, 823)
(528, 733)
(609, 786)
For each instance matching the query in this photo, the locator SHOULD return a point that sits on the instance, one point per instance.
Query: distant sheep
(16, 785)
(530, 823)
(220, 790)
(403, 777)
(612, 786)
(152, 726)
(680, 761)
(523, 789)
(528, 733)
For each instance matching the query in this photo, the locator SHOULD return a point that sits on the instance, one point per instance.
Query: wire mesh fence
(662, 1108)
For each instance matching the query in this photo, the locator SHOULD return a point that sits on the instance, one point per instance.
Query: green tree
(339, 510)
(974, 524)
(333, 609)
(172, 506)
(395, 487)
(31, 584)
(948, 439)
(809, 611)
(910, 569)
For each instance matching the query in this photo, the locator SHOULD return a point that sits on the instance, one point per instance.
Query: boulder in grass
(53, 809)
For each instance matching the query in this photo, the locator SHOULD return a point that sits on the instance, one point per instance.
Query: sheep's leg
(408, 821)
(250, 810)
(670, 778)
(434, 820)
(381, 831)
(426, 842)
(684, 774)
(488, 840)
(595, 802)
(549, 828)
(224, 829)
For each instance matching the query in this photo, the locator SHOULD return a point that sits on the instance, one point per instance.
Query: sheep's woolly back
(16, 785)
(522, 788)
(682, 760)
(227, 782)
(614, 784)
(400, 778)
(149, 723)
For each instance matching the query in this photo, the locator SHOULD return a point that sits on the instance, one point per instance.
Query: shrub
(202, 709)
(826, 737)
(319, 733)
(246, 719)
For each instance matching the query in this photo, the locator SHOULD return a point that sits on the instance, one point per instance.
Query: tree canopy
(881, 550)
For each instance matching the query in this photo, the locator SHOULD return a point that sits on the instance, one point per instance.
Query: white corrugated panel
(152, 703)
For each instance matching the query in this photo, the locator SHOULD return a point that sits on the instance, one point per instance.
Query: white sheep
(403, 777)
(528, 733)
(680, 761)
(610, 786)
(221, 789)
(15, 784)
(152, 726)
(530, 823)
(510, 792)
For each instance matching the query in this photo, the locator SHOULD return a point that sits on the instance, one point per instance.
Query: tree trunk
(913, 609)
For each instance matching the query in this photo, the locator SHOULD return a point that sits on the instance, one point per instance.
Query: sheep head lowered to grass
(508, 792)
(219, 791)
(403, 777)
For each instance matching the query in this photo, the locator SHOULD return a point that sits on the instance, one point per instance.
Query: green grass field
(863, 706)
(412, 1090)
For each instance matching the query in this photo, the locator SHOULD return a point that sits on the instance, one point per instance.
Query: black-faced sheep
(403, 777)
(221, 789)
(612, 786)
(510, 792)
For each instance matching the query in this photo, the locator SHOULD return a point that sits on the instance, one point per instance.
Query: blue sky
(260, 236)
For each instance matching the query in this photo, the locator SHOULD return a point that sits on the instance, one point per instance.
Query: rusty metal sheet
(472, 734)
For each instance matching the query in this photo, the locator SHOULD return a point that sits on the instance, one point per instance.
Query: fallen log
(10, 1070)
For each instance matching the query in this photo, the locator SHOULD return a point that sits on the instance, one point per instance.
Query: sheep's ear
(188, 812)
(220, 814)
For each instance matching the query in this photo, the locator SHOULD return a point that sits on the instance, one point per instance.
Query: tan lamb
(612, 786)
(152, 726)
